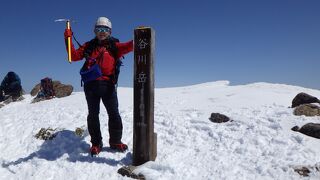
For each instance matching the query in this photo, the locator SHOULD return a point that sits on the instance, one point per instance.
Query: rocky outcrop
(310, 129)
(303, 98)
(307, 110)
(219, 118)
(61, 90)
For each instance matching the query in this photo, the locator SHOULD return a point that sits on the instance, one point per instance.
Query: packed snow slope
(257, 144)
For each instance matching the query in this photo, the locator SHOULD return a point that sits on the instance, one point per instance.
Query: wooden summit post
(144, 138)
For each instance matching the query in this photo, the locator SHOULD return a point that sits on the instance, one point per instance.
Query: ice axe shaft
(69, 43)
(69, 38)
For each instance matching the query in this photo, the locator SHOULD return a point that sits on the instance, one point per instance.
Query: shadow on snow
(66, 142)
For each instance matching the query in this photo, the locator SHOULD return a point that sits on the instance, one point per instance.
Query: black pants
(95, 91)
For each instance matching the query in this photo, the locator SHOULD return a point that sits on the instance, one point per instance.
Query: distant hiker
(99, 74)
(11, 87)
(46, 90)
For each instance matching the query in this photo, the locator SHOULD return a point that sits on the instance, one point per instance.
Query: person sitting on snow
(11, 87)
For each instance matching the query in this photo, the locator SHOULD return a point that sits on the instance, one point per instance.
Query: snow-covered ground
(257, 144)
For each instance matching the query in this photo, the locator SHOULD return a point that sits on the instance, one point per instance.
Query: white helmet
(103, 21)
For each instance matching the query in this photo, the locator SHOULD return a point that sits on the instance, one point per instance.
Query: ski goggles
(101, 29)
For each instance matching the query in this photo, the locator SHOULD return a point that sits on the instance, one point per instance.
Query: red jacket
(106, 61)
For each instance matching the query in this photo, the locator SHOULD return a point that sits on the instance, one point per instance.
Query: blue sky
(242, 41)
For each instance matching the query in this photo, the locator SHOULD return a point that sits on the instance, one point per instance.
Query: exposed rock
(219, 118)
(61, 90)
(303, 98)
(38, 99)
(303, 171)
(10, 99)
(128, 171)
(46, 134)
(307, 110)
(79, 131)
(310, 129)
(35, 90)
(295, 128)
(20, 98)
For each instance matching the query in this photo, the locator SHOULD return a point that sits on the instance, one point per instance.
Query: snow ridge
(257, 144)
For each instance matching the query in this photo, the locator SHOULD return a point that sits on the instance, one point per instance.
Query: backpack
(47, 88)
(110, 46)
